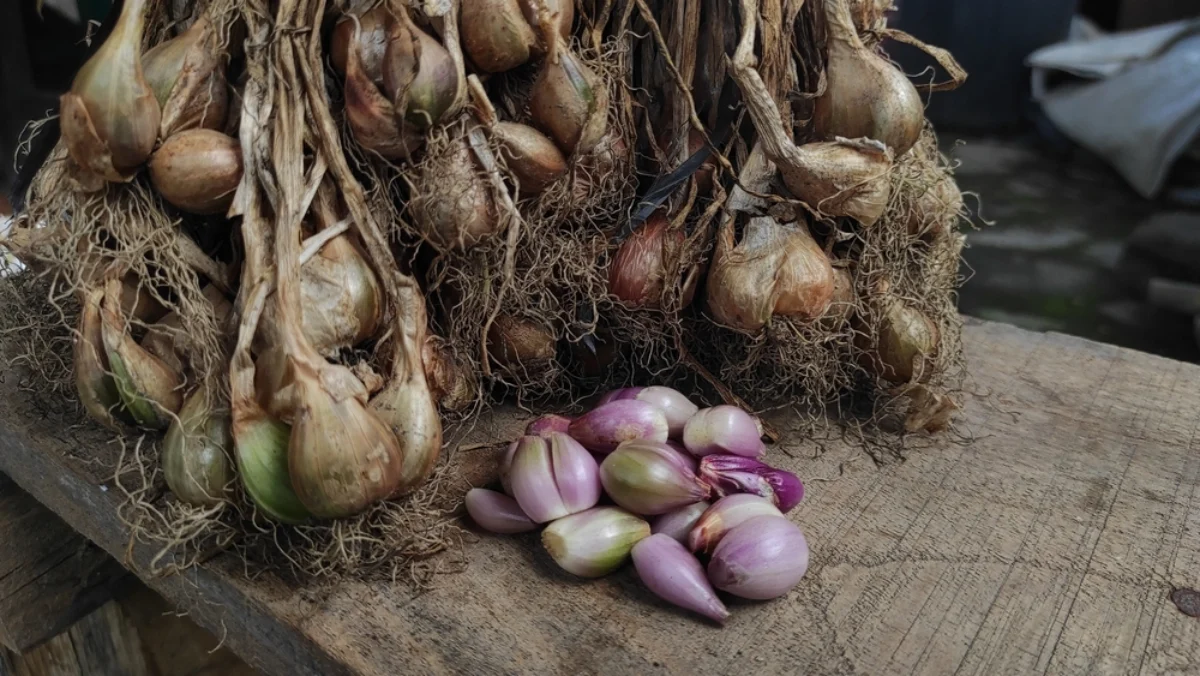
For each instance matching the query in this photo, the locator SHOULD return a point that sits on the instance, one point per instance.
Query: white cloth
(1141, 109)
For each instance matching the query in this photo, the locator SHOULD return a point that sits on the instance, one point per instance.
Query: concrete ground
(1050, 259)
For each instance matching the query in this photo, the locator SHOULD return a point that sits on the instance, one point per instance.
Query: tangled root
(81, 239)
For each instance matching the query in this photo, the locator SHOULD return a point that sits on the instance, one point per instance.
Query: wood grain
(1047, 543)
(50, 576)
(101, 643)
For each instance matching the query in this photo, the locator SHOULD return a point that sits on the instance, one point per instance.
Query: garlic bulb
(418, 74)
(187, 74)
(198, 170)
(775, 270)
(195, 452)
(110, 118)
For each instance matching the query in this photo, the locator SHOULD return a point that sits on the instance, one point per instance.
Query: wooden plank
(50, 576)
(1045, 539)
(102, 642)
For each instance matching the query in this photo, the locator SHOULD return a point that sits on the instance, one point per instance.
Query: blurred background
(1076, 132)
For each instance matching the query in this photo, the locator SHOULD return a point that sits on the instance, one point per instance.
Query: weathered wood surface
(1049, 544)
(101, 643)
(50, 576)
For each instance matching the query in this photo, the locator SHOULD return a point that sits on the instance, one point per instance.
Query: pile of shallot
(687, 488)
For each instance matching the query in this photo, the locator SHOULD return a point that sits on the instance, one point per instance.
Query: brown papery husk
(532, 158)
(371, 116)
(563, 12)
(451, 203)
(600, 184)
(418, 73)
(394, 540)
(495, 35)
(865, 95)
(774, 270)
(197, 170)
(128, 229)
(922, 272)
(187, 74)
(370, 42)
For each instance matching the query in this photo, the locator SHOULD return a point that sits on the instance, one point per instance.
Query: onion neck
(131, 24)
(841, 24)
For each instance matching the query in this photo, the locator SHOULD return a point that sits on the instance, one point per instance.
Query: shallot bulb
(776, 270)
(723, 429)
(678, 524)
(760, 559)
(674, 575)
(368, 37)
(187, 74)
(596, 542)
(607, 426)
(568, 101)
(553, 476)
(195, 453)
(904, 344)
(96, 387)
(150, 390)
(865, 96)
(547, 424)
(636, 274)
(454, 209)
(532, 159)
(497, 512)
(197, 170)
(518, 343)
(418, 73)
(110, 117)
(495, 35)
(723, 516)
(842, 177)
(562, 13)
(648, 477)
(677, 408)
(370, 113)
